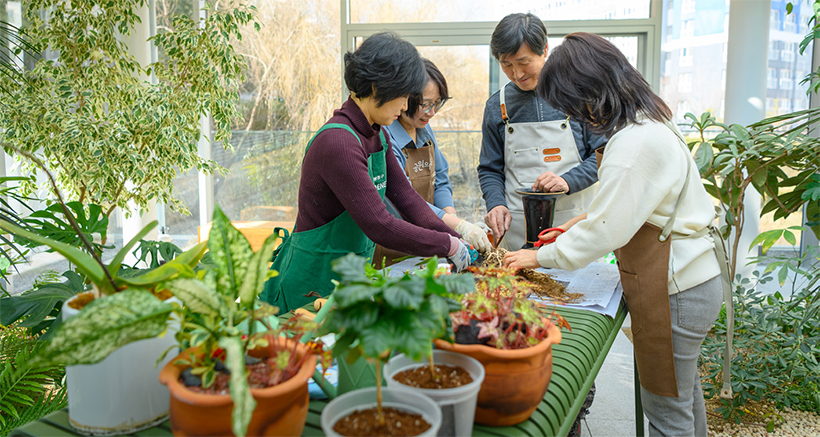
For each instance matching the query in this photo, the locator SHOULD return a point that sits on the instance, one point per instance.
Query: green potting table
(576, 361)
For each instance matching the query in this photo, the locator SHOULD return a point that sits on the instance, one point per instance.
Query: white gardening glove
(459, 254)
(474, 234)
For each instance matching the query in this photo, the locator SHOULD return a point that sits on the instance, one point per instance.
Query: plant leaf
(243, 402)
(230, 251)
(83, 261)
(257, 272)
(197, 296)
(105, 325)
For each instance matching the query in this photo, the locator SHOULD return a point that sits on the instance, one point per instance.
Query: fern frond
(25, 391)
(44, 405)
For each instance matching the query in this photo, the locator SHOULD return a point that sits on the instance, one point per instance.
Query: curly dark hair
(588, 78)
(386, 67)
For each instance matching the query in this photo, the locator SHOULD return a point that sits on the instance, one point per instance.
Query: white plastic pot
(393, 397)
(121, 394)
(457, 404)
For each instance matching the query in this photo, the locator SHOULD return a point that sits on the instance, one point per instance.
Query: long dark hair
(588, 78)
(433, 75)
(386, 67)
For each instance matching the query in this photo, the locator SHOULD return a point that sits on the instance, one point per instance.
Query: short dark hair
(386, 67)
(588, 78)
(434, 75)
(516, 29)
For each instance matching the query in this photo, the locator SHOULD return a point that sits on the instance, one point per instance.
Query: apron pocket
(632, 295)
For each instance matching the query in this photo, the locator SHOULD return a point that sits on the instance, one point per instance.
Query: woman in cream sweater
(653, 211)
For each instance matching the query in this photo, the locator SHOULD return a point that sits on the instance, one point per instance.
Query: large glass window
(411, 11)
(697, 88)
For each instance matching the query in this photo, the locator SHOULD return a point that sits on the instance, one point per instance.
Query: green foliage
(762, 155)
(221, 311)
(155, 253)
(105, 325)
(51, 223)
(32, 308)
(500, 309)
(108, 134)
(387, 314)
(26, 392)
(776, 342)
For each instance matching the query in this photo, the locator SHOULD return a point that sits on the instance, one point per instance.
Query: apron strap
(504, 117)
(278, 231)
(725, 275)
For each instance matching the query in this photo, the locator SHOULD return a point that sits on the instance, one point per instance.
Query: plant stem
(379, 392)
(432, 366)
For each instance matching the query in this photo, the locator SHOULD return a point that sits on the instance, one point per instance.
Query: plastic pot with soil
(454, 388)
(406, 413)
(515, 381)
(280, 409)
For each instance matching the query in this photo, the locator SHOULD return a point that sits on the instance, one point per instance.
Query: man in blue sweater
(526, 143)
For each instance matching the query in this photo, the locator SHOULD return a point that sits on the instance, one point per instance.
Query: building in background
(694, 52)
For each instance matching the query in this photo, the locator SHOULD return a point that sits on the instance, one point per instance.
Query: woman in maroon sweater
(345, 176)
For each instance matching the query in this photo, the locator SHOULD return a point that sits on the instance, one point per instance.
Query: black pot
(539, 210)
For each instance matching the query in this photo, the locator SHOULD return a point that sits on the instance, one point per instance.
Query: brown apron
(644, 268)
(421, 170)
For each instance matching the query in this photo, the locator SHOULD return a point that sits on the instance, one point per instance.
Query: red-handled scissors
(540, 242)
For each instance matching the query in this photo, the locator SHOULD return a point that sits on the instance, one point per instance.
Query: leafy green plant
(776, 342)
(777, 156)
(499, 314)
(376, 314)
(155, 253)
(52, 223)
(126, 137)
(26, 393)
(221, 311)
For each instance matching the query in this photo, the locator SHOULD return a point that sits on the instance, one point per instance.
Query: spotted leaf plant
(222, 314)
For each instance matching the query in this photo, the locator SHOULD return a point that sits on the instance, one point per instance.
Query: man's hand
(550, 182)
(498, 219)
(522, 259)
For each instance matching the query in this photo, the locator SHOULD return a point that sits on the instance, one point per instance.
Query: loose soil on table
(396, 423)
(260, 376)
(544, 286)
(447, 377)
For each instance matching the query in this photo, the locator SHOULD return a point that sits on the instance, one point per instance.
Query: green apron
(304, 258)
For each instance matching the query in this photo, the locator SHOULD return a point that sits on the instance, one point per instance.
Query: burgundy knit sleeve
(345, 172)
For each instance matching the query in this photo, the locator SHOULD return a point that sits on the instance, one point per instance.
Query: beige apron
(644, 268)
(421, 170)
(530, 150)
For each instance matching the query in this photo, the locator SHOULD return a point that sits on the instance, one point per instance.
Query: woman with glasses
(346, 176)
(417, 151)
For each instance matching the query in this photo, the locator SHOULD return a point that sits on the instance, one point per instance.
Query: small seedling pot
(515, 381)
(121, 394)
(457, 404)
(392, 397)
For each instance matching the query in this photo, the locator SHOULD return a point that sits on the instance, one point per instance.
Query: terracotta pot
(280, 410)
(515, 381)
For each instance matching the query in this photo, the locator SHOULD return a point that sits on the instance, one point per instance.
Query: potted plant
(114, 396)
(221, 321)
(375, 315)
(512, 338)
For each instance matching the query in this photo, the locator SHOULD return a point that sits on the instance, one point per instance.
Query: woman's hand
(522, 259)
(570, 223)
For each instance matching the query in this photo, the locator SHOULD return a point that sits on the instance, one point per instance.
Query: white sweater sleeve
(634, 181)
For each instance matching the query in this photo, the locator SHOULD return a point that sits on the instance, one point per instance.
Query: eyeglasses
(429, 106)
